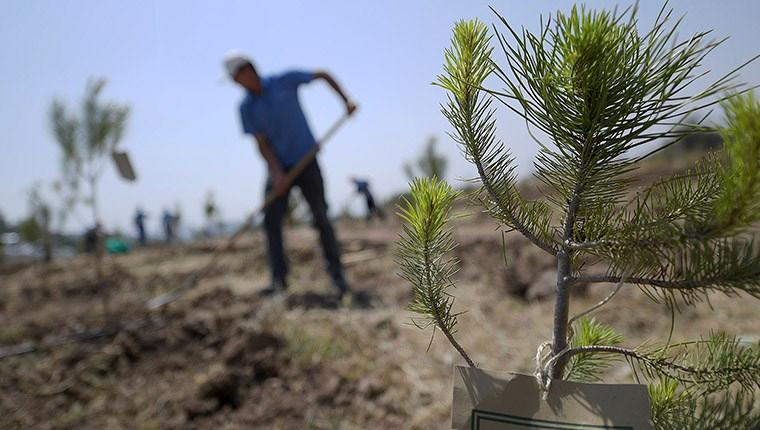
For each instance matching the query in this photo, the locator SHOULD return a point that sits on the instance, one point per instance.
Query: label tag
(486, 400)
(123, 165)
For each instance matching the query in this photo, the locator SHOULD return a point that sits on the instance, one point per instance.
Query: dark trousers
(372, 209)
(141, 237)
(312, 188)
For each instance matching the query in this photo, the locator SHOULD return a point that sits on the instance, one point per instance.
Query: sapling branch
(468, 65)
(508, 213)
(677, 284)
(679, 371)
(422, 254)
(459, 348)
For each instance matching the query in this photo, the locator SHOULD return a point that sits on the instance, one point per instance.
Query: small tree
(36, 228)
(64, 201)
(430, 163)
(598, 90)
(29, 230)
(211, 211)
(87, 141)
(48, 212)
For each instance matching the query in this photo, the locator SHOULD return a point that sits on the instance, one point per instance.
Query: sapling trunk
(564, 282)
(561, 311)
(99, 247)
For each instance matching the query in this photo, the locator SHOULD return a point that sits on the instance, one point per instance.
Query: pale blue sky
(163, 58)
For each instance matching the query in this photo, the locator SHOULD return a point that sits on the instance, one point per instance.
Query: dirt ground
(223, 358)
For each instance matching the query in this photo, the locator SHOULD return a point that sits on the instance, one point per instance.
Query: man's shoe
(278, 286)
(341, 286)
(343, 292)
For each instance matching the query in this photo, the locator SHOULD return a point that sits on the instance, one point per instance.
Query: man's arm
(321, 74)
(276, 172)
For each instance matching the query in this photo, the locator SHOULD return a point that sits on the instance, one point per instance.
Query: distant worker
(140, 216)
(92, 239)
(271, 112)
(362, 187)
(167, 220)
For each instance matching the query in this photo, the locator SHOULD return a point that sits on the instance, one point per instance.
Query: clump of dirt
(245, 360)
(255, 353)
(219, 388)
(332, 301)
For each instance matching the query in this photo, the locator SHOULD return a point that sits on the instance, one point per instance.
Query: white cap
(234, 61)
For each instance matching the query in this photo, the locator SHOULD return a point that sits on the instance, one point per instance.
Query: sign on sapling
(596, 94)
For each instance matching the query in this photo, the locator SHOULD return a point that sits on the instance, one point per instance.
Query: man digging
(272, 114)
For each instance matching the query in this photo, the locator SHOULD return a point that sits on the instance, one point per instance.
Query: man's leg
(273, 217)
(312, 187)
(370, 206)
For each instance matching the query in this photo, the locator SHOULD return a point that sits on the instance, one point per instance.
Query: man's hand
(350, 107)
(276, 173)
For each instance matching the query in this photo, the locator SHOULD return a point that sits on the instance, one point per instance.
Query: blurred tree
(37, 227)
(599, 91)
(29, 230)
(87, 141)
(211, 211)
(430, 163)
(65, 203)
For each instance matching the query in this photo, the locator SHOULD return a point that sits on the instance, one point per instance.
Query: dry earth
(222, 358)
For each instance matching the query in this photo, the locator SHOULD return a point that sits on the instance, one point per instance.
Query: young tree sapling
(596, 94)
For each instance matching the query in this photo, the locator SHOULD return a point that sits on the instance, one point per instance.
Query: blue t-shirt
(277, 114)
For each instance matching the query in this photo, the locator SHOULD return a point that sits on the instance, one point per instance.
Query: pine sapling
(597, 95)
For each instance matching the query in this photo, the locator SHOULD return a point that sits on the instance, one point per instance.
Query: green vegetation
(36, 228)
(310, 347)
(597, 95)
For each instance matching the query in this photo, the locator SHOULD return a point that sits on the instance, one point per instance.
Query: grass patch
(308, 346)
(12, 335)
